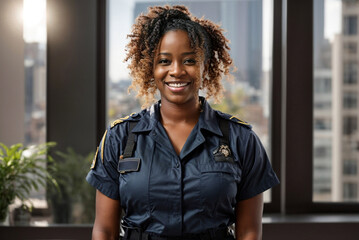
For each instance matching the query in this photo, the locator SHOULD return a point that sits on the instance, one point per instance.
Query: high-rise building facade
(322, 105)
(336, 91)
(345, 106)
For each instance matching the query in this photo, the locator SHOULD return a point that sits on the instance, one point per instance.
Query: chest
(166, 181)
(178, 135)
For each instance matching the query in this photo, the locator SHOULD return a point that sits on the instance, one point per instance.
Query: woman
(179, 169)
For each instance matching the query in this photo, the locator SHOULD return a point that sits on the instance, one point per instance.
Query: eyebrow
(168, 54)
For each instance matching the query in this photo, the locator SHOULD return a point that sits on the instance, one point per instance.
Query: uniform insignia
(94, 160)
(120, 120)
(103, 144)
(233, 118)
(224, 149)
(223, 154)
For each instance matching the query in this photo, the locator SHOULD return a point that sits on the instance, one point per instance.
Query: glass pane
(74, 203)
(248, 26)
(34, 32)
(336, 145)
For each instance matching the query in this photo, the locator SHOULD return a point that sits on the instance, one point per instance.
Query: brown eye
(190, 61)
(163, 61)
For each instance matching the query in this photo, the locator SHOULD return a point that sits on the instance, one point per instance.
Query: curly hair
(205, 37)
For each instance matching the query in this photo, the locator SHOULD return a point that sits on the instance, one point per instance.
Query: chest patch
(223, 154)
(129, 165)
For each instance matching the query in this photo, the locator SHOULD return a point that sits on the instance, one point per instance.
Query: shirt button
(177, 165)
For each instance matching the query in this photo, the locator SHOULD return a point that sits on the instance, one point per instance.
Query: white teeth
(177, 85)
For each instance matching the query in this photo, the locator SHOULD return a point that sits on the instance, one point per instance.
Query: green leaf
(20, 173)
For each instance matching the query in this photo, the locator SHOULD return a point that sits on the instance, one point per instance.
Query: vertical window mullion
(298, 111)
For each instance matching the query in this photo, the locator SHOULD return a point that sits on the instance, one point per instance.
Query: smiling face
(176, 69)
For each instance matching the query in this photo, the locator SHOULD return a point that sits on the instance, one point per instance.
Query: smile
(177, 85)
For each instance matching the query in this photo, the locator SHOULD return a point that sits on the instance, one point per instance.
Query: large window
(248, 26)
(74, 202)
(34, 32)
(335, 53)
(34, 15)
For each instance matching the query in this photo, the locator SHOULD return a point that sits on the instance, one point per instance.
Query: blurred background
(63, 79)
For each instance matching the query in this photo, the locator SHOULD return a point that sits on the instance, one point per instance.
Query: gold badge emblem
(224, 149)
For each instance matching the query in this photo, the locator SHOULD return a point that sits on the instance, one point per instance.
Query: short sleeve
(257, 173)
(103, 174)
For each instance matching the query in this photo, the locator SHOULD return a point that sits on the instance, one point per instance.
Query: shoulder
(133, 117)
(118, 129)
(235, 121)
(117, 132)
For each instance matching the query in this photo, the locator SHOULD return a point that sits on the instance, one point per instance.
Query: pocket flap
(129, 165)
(224, 167)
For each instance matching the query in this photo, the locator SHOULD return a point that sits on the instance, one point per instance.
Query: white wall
(12, 92)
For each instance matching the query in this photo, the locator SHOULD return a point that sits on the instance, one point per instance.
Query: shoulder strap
(131, 141)
(224, 126)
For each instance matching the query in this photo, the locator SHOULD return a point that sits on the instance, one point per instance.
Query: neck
(185, 113)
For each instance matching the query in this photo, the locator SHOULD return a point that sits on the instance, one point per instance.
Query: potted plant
(21, 170)
(75, 202)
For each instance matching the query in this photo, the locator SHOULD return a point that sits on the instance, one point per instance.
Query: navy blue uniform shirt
(171, 195)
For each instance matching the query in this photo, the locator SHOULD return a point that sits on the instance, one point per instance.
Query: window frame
(298, 114)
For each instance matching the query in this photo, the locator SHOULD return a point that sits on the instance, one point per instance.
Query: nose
(176, 69)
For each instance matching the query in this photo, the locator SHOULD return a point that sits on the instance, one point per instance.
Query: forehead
(175, 40)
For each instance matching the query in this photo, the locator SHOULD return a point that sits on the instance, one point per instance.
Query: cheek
(159, 73)
(158, 83)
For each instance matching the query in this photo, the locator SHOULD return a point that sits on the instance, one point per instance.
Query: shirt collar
(208, 119)
(148, 120)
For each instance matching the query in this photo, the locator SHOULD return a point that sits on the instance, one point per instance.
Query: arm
(249, 218)
(106, 226)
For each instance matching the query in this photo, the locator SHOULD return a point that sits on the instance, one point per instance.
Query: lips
(177, 87)
(177, 84)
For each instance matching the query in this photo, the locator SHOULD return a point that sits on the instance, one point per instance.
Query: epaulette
(234, 119)
(124, 119)
(114, 123)
(237, 120)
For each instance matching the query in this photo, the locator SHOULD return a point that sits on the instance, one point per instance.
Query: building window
(350, 191)
(350, 3)
(322, 124)
(350, 25)
(350, 125)
(350, 72)
(350, 100)
(322, 105)
(322, 152)
(350, 47)
(350, 167)
(322, 85)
